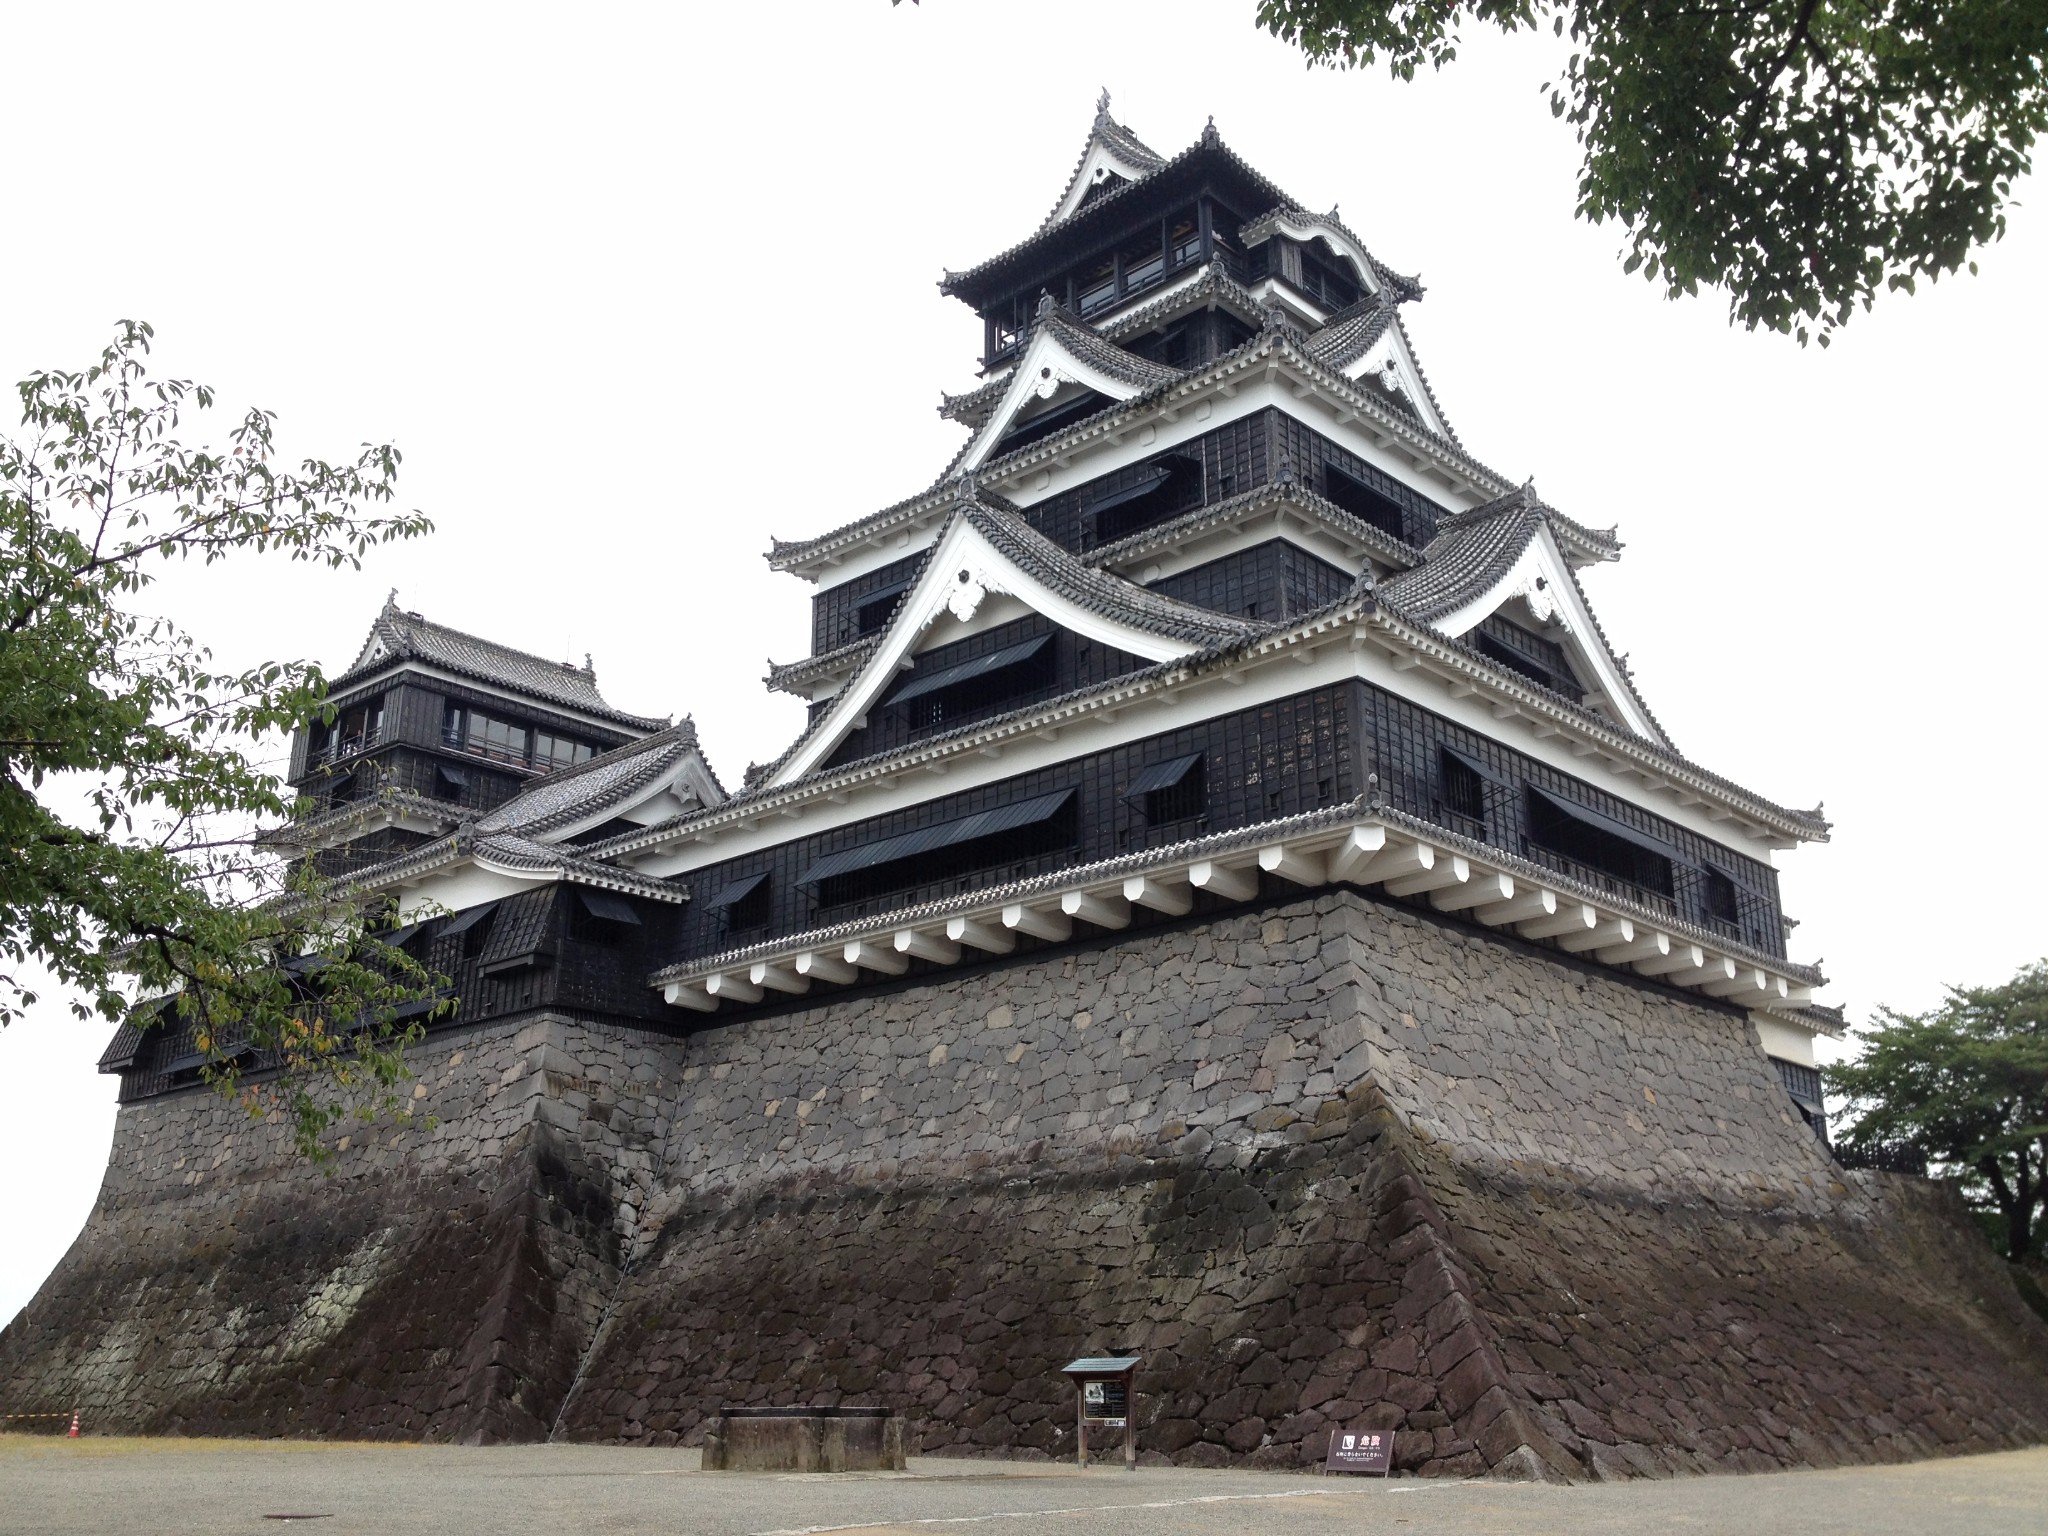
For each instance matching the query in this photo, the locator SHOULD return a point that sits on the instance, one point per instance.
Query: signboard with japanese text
(1361, 1450)
(1104, 1402)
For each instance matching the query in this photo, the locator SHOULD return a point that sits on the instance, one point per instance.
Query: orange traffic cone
(73, 1433)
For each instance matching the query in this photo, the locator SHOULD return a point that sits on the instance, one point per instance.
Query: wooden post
(1130, 1423)
(1081, 1421)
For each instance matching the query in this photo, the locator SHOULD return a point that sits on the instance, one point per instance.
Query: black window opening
(1720, 901)
(1462, 783)
(743, 903)
(1000, 840)
(1599, 848)
(1536, 657)
(1152, 493)
(1363, 502)
(449, 781)
(1802, 1085)
(1054, 419)
(346, 788)
(979, 686)
(473, 927)
(1327, 281)
(1173, 791)
(503, 741)
(599, 917)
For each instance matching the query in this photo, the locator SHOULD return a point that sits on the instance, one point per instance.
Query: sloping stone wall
(1342, 1163)
(438, 1283)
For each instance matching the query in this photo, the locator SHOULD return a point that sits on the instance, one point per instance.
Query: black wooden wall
(1268, 582)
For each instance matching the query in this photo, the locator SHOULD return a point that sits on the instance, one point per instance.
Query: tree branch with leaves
(129, 795)
(1803, 155)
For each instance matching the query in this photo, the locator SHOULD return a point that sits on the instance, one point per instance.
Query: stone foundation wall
(1337, 1164)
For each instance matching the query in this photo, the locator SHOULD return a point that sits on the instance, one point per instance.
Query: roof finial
(1333, 216)
(1102, 106)
(589, 666)
(391, 601)
(965, 487)
(1046, 304)
(1209, 134)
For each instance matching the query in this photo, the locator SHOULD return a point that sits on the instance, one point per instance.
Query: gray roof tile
(401, 636)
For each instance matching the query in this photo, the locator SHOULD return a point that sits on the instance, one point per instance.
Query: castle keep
(1229, 903)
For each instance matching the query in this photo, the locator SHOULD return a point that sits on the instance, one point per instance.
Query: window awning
(893, 589)
(611, 909)
(462, 922)
(1479, 766)
(396, 937)
(1611, 825)
(966, 671)
(1162, 775)
(947, 834)
(1150, 481)
(459, 777)
(737, 891)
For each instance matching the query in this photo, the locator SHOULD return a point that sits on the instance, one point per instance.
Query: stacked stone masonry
(1342, 1163)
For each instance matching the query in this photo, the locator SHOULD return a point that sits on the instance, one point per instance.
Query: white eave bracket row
(1368, 852)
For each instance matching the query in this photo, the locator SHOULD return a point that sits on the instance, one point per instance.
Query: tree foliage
(130, 791)
(1802, 154)
(1967, 1083)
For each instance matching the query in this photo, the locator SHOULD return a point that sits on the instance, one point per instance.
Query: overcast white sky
(636, 288)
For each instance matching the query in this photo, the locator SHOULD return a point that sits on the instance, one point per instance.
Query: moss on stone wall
(1339, 1164)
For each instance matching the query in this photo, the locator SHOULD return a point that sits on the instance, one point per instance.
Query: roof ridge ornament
(391, 601)
(966, 490)
(1102, 109)
(1048, 306)
(1209, 134)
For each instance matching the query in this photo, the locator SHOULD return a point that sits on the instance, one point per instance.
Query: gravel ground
(135, 1486)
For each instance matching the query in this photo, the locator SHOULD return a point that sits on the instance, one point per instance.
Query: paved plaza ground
(179, 1486)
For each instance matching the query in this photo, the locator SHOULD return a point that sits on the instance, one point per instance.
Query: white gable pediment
(964, 572)
(1392, 363)
(1047, 366)
(1102, 167)
(1543, 579)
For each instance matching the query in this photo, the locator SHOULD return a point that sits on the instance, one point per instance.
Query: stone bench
(809, 1439)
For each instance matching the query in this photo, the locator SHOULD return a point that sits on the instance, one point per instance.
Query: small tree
(1967, 1083)
(128, 795)
(1802, 154)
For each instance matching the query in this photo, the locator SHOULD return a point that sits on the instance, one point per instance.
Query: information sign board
(1361, 1450)
(1105, 1402)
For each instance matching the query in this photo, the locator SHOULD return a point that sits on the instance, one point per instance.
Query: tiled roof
(1351, 332)
(1400, 288)
(973, 408)
(792, 676)
(1081, 339)
(611, 780)
(400, 636)
(1392, 551)
(1098, 590)
(1277, 337)
(1209, 143)
(1120, 141)
(1059, 570)
(385, 799)
(1471, 552)
(513, 852)
(510, 851)
(1214, 282)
